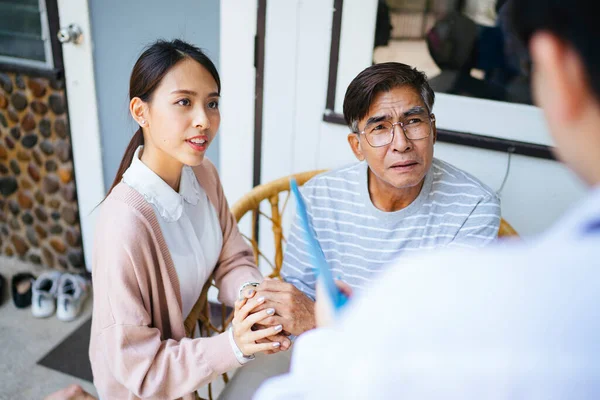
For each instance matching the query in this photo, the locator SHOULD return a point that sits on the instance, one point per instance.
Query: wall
(39, 215)
(236, 54)
(121, 29)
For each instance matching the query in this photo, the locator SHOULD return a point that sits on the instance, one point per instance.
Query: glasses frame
(393, 131)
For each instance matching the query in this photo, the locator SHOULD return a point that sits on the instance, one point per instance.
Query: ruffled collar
(157, 192)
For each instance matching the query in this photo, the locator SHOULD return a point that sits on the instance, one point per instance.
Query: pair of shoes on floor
(58, 292)
(21, 286)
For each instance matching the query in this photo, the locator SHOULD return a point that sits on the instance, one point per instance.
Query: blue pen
(322, 268)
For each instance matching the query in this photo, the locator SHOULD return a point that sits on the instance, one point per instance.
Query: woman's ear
(139, 110)
(354, 142)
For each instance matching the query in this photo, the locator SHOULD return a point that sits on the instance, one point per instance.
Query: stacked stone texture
(39, 217)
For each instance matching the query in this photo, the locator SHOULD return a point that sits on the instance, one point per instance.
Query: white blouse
(189, 224)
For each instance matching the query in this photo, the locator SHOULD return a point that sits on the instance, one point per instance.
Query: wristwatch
(242, 359)
(244, 286)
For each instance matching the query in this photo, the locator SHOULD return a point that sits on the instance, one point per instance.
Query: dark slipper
(21, 289)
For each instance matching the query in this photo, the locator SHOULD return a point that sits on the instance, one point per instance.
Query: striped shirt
(453, 209)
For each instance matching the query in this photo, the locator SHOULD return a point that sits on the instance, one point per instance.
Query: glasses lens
(379, 133)
(417, 127)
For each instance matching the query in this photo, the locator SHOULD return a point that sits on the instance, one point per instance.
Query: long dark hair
(149, 70)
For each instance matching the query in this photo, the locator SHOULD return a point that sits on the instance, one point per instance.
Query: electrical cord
(510, 151)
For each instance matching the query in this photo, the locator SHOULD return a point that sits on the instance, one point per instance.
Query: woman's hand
(284, 341)
(245, 338)
(282, 338)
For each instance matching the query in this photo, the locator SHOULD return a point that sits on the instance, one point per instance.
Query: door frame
(78, 63)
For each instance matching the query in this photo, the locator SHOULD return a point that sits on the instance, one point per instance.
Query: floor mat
(71, 355)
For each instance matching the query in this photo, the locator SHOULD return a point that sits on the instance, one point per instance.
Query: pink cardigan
(138, 347)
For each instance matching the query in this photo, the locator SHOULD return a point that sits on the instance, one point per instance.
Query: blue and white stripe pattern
(454, 209)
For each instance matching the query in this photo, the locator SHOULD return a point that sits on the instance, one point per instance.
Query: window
(465, 47)
(24, 34)
(470, 105)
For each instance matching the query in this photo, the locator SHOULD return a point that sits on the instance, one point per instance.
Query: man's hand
(293, 309)
(324, 307)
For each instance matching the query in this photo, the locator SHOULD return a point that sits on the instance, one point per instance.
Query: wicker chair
(251, 203)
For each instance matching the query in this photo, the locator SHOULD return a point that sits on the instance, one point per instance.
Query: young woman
(163, 229)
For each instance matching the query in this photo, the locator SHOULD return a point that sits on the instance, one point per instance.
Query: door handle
(70, 34)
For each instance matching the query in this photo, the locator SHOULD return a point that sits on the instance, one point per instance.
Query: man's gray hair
(382, 78)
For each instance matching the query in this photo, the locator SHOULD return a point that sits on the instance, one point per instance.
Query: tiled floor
(411, 52)
(25, 339)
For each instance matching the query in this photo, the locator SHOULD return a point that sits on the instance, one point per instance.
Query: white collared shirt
(189, 224)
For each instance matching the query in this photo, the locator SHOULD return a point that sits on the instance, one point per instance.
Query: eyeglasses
(415, 127)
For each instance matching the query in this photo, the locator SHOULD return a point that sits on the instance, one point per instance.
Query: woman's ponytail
(136, 141)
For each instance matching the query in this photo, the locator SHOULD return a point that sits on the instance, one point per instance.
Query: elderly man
(397, 199)
(516, 321)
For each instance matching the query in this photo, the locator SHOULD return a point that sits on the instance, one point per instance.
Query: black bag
(383, 26)
(451, 40)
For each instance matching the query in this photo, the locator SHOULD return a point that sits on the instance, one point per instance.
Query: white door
(83, 116)
(236, 67)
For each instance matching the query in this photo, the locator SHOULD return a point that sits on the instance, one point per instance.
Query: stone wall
(39, 217)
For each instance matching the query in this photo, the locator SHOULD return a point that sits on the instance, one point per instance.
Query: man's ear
(139, 110)
(433, 129)
(560, 81)
(354, 142)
